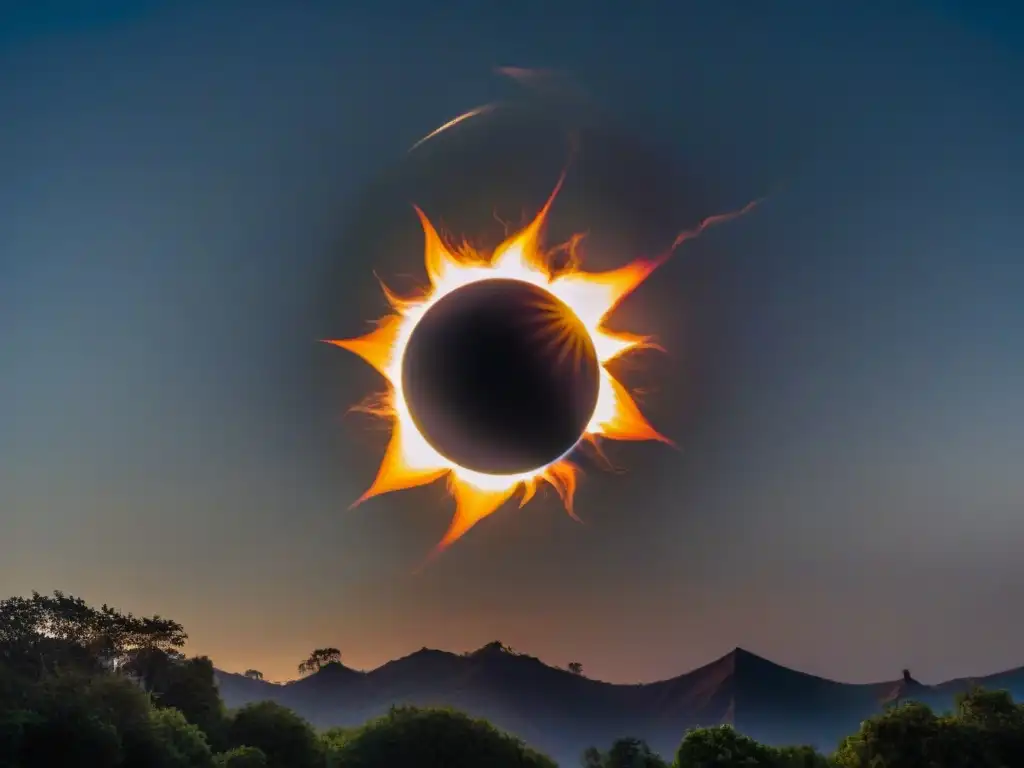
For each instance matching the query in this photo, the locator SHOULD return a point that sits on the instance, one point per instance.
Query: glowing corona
(409, 459)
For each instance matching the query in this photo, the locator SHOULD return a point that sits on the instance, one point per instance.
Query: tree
(190, 686)
(105, 720)
(61, 726)
(129, 710)
(624, 753)
(722, 747)
(632, 753)
(995, 722)
(318, 659)
(241, 757)
(333, 739)
(43, 633)
(910, 735)
(182, 744)
(575, 667)
(254, 674)
(800, 757)
(434, 738)
(286, 739)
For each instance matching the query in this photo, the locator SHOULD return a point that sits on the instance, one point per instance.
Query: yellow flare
(409, 459)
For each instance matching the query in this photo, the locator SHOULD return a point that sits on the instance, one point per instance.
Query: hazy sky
(180, 221)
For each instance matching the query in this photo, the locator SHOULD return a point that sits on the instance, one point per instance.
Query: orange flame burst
(409, 459)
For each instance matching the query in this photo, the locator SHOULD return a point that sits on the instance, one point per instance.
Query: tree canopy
(285, 739)
(434, 738)
(45, 632)
(95, 686)
(319, 659)
(986, 730)
(624, 753)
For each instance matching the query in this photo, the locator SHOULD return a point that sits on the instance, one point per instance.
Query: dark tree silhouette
(986, 731)
(191, 688)
(434, 738)
(253, 674)
(575, 667)
(319, 659)
(87, 686)
(241, 757)
(724, 747)
(43, 633)
(624, 753)
(285, 739)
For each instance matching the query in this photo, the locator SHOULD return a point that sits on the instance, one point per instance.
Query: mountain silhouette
(562, 713)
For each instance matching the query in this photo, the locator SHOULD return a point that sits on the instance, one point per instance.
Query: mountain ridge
(562, 713)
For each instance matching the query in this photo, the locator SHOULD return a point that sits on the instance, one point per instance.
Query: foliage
(241, 757)
(575, 667)
(183, 744)
(333, 739)
(43, 634)
(60, 725)
(624, 753)
(985, 731)
(434, 738)
(286, 739)
(319, 659)
(253, 674)
(724, 747)
(96, 687)
(190, 686)
(800, 757)
(721, 747)
(107, 718)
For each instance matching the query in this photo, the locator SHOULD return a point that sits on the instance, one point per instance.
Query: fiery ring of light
(409, 459)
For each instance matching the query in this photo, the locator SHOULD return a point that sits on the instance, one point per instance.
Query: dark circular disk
(500, 377)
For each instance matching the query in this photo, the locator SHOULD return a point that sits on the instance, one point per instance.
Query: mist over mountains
(562, 713)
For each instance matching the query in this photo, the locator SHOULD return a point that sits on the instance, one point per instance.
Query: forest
(98, 688)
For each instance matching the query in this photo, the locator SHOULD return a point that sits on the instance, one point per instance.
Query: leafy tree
(435, 738)
(909, 735)
(286, 739)
(241, 757)
(994, 720)
(190, 686)
(129, 709)
(986, 730)
(318, 659)
(575, 667)
(632, 753)
(723, 747)
(61, 727)
(96, 687)
(333, 741)
(254, 674)
(800, 757)
(151, 667)
(103, 720)
(43, 634)
(183, 745)
(624, 753)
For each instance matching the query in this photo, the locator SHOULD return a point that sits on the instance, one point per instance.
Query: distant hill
(561, 713)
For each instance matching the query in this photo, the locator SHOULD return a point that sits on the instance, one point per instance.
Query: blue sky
(845, 364)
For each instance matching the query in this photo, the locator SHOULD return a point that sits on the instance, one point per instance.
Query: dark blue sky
(179, 190)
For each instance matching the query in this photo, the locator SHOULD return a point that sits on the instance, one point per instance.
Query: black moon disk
(501, 377)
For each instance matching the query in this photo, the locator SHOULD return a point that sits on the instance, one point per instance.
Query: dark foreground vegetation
(93, 687)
